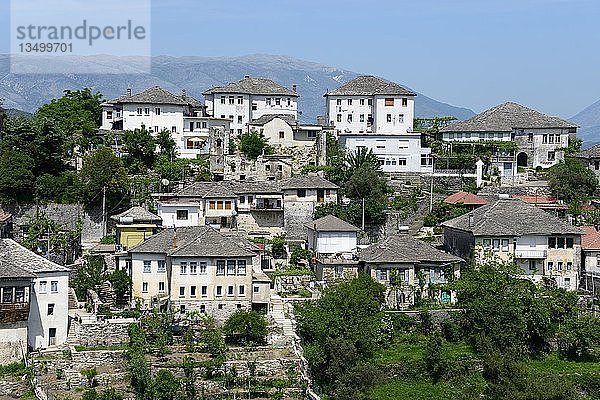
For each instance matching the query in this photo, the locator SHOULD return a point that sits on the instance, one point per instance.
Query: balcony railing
(12, 312)
(530, 253)
(265, 207)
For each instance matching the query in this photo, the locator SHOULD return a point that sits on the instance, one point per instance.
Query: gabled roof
(195, 241)
(308, 182)
(591, 238)
(466, 198)
(368, 85)
(18, 262)
(505, 118)
(331, 223)
(537, 199)
(253, 187)
(511, 217)
(208, 190)
(157, 95)
(407, 250)
(139, 214)
(250, 85)
(4, 216)
(592, 152)
(265, 119)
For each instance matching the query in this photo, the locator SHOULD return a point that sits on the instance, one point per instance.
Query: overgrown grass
(552, 364)
(13, 369)
(414, 390)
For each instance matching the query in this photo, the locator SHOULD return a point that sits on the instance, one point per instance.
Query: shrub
(245, 327)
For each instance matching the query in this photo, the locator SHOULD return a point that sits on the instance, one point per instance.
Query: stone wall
(102, 333)
(13, 389)
(297, 213)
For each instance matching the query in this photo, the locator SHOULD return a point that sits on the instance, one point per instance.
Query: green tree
(89, 276)
(245, 327)
(121, 283)
(253, 144)
(210, 338)
(104, 169)
(166, 144)
(16, 177)
(571, 181)
(362, 157)
(278, 247)
(140, 146)
(65, 188)
(165, 385)
(579, 336)
(367, 183)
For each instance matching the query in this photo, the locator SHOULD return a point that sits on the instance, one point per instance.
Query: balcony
(527, 254)
(266, 207)
(13, 312)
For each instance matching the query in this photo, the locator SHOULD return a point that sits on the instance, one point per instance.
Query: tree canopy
(252, 144)
(104, 168)
(570, 180)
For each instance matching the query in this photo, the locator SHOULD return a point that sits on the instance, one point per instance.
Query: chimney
(183, 93)
(471, 220)
(294, 88)
(246, 76)
(129, 91)
(174, 245)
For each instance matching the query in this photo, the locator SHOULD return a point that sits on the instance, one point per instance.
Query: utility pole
(363, 214)
(103, 211)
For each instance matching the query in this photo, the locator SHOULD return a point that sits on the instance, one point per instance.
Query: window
(144, 287)
(220, 306)
(192, 291)
(240, 100)
(230, 290)
(426, 159)
(156, 129)
(361, 102)
(361, 118)
(193, 267)
(161, 287)
(301, 192)
(241, 267)
(212, 205)
(256, 289)
(389, 102)
(338, 102)
(50, 309)
(222, 99)
(268, 101)
(349, 117)
(242, 290)
(231, 100)
(181, 291)
(401, 118)
(146, 111)
(109, 115)
(389, 118)
(402, 161)
(239, 119)
(549, 265)
(228, 205)
(281, 134)
(552, 242)
(370, 102)
(349, 102)
(202, 268)
(404, 102)
(220, 267)
(532, 266)
(568, 282)
(559, 265)
(496, 244)
(250, 199)
(174, 129)
(551, 156)
(569, 242)
(504, 244)
(550, 138)
(544, 138)
(161, 266)
(157, 110)
(183, 268)
(596, 165)
(139, 111)
(339, 118)
(43, 287)
(383, 275)
(569, 265)
(312, 134)
(204, 291)
(219, 290)
(147, 266)
(560, 242)
(230, 267)
(254, 106)
(239, 131)
(278, 101)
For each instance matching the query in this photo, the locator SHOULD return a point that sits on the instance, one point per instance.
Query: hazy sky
(474, 53)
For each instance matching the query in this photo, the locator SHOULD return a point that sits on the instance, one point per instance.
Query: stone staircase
(280, 314)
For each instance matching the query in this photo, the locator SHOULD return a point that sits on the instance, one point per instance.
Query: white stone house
(196, 268)
(334, 244)
(590, 254)
(34, 300)
(544, 246)
(369, 112)
(249, 99)
(401, 262)
(157, 109)
(539, 139)
(285, 131)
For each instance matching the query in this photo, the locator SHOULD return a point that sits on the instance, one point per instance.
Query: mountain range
(589, 124)
(27, 92)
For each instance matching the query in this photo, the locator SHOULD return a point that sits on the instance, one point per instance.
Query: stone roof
(539, 200)
(591, 238)
(208, 190)
(250, 85)
(367, 85)
(195, 241)
(405, 249)
(592, 152)
(5, 216)
(265, 119)
(507, 117)
(466, 198)
(139, 214)
(308, 182)
(331, 223)
(157, 95)
(249, 186)
(18, 262)
(511, 217)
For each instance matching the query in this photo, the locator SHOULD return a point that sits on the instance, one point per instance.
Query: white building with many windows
(33, 301)
(157, 109)
(369, 112)
(249, 99)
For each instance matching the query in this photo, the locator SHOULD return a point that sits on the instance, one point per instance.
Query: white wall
(332, 242)
(168, 213)
(40, 322)
(138, 276)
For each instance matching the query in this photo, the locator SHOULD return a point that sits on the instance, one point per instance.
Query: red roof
(537, 199)
(5, 216)
(466, 198)
(590, 239)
